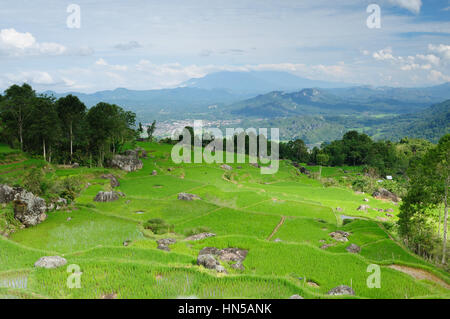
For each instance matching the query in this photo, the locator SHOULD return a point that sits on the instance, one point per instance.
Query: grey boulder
(50, 262)
(341, 290)
(29, 209)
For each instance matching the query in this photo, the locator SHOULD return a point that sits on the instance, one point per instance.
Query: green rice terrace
(207, 231)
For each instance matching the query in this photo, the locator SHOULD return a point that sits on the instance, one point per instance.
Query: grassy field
(283, 220)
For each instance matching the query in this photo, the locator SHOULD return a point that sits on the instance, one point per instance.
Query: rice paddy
(283, 220)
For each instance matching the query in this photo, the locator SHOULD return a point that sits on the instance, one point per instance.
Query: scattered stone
(255, 165)
(129, 162)
(383, 193)
(200, 236)
(164, 243)
(340, 235)
(113, 180)
(187, 196)
(354, 249)
(296, 297)
(363, 207)
(227, 255)
(326, 246)
(389, 215)
(29, 209)
(277, 240)
(170, 169)
(221, 269)
(226, 167)
(366, 199)
(341, 290)
(389, 210)
(339, 209)
(154, 173)
(383, 219)
(109, 296)
(126, 242)
(50, 262)
(69, 219)
(75, 165)
(107, 196)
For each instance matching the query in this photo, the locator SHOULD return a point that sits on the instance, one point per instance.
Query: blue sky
(150, 44)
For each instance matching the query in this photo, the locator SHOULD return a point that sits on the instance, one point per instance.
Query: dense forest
(63, 130)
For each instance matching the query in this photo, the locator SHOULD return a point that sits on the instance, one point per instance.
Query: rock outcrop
(187, 196)
(29, 209)
(129, 162)
(50, 262)
(383, 193)
(340, 235)
(107, 196)
(114, 182)
(341, 290)
(353, 248)
(363, 207)
(164, 243)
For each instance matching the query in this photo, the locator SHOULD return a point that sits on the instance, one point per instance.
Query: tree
(16, 109)
(151, 130)
(71, 112)
(44, 128)
(428, 189)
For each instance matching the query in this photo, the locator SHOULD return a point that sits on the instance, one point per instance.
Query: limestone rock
(296, 297)
(354, 249)
(154, 173)
(226, 167)
(363, 207)
(187, 196)
(383, 193)
(107, 196)
(29, 209)
(129, 162)
(207, 261)
(50, 262)
(340, 235)
(341, 290)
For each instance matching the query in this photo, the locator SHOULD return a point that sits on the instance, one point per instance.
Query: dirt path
(283, 218)
(420, 274)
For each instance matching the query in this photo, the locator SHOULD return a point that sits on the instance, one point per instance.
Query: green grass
(241, 206)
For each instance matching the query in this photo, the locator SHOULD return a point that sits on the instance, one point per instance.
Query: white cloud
(384, 54)
(437, 76)
(16, 43)
(116, 67)
(411, 5)
(32, 77)
(441, 49)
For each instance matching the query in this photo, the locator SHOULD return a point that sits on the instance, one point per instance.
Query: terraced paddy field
(284, 221)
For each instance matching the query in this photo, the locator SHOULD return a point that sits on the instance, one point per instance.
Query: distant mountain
(161, 104)
(257, 82)
(341, 101)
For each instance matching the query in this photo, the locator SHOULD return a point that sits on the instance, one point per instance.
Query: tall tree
(71, 111)
(151, 130)
(16, 109)
(44, 128)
